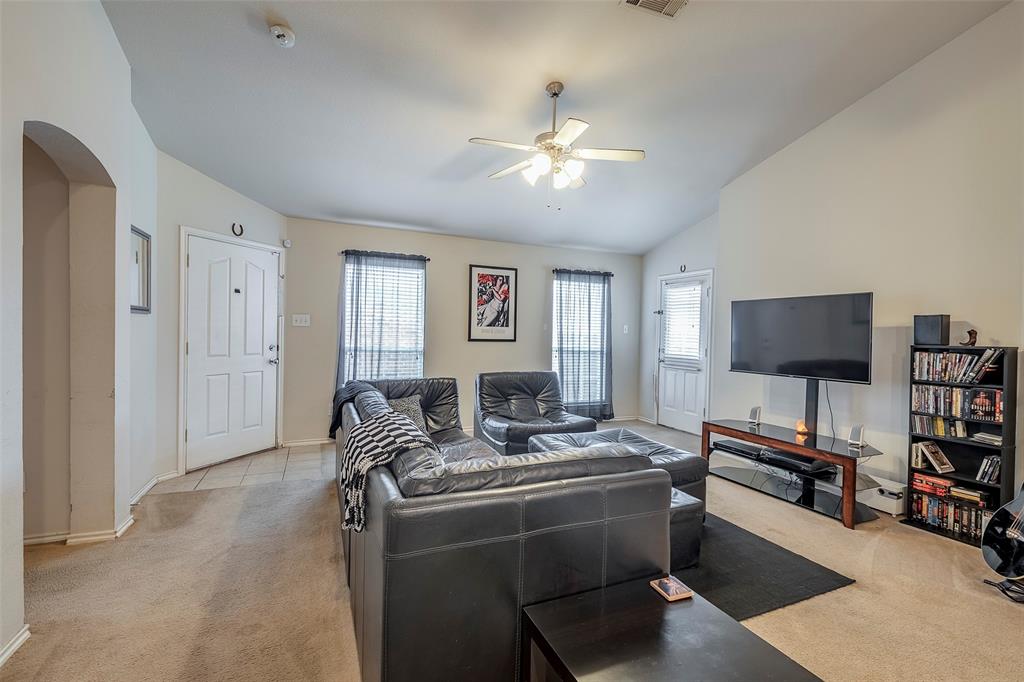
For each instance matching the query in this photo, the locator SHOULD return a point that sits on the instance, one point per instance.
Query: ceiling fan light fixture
(561, 179)
(574, 168)
(541, 163)
(531, 174)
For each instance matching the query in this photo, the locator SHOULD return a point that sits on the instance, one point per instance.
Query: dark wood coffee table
(629, 632)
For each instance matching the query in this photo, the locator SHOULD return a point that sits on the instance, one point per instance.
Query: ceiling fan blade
(511, 169)
(610, 154)
(570, 130)
(577, 183)
(506, 145)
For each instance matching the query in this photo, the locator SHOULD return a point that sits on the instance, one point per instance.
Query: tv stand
(811, 405)
(811, 445)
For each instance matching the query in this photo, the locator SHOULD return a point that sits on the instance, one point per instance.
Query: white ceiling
(367, 118)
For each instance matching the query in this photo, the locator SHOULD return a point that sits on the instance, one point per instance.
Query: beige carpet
(244, 584)
(236, 583)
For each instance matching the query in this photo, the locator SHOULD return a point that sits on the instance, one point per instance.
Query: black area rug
(745, 575)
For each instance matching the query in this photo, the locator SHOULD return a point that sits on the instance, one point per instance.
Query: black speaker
(931, 330)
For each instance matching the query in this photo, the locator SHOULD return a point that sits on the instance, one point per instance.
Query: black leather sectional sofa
(457, 542)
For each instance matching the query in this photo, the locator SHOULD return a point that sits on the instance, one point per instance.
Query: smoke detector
(284, 36)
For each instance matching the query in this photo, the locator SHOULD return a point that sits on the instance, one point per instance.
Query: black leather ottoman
(686, 520)
(688, 470)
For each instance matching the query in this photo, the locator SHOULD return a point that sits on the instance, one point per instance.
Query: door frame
(709, 273)
(187, 232)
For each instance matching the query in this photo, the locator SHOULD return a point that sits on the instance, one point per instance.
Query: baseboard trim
(14, 644)
(149, 486)
(93, 536)
(646, 420)
(45, 538)
(129, 522)
(307, 441)
(622, 419)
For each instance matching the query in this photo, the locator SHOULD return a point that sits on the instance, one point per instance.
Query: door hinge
(186, 348)
(186, 435)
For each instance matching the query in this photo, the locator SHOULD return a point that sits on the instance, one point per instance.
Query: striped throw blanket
(372, 442)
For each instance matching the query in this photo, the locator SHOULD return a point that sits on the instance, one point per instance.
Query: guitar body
(1002, 544)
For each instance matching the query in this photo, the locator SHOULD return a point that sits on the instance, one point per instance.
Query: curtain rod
(384, 254)
(584, 272)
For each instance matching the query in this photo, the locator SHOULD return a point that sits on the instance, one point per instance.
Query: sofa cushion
(439, 399)
(410, 407)
(684, 467)
(457, 445)
(519, 395)
(520, 431)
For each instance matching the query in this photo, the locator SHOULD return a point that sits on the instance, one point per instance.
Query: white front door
(683, 351)
(231, 350)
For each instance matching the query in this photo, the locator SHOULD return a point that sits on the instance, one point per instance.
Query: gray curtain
(381, 309)
(583, 341)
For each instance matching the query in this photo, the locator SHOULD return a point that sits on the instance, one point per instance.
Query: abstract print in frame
(493, 303)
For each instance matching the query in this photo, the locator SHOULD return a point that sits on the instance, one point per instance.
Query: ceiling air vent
(665, 8)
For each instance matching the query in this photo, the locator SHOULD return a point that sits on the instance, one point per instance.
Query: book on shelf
(989, 470)
(937, 426)
(981, 404)
(988, 438)
(961, 520)
(934, 454)
(955, 366)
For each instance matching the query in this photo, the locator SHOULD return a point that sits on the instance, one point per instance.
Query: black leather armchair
(513, 406)
(455, 544)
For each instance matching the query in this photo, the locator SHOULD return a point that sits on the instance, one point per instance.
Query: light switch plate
(625, 329)
(300, 320)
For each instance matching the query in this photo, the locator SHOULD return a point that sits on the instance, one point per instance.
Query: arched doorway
(69, 230)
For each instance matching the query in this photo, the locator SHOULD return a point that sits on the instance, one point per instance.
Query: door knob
(273, 361)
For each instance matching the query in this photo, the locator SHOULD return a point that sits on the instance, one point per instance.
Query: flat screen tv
(810, 337)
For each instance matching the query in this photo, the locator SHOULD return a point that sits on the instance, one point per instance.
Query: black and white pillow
(410, 407)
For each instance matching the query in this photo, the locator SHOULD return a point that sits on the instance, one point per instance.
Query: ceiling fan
(554, 152)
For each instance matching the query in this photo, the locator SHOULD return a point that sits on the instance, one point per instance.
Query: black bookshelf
(964, 454)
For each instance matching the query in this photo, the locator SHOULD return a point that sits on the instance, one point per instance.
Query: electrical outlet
(300, 320)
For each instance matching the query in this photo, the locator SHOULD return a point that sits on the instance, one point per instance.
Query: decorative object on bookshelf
(1002, 544)
(963, 405)
(972, 338)
(931, 330)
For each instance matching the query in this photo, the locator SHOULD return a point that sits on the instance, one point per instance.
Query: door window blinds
(681, 330)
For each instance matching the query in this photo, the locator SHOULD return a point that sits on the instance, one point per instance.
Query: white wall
(47, 348)
(914, 193)
(62, 64)
(696, 247)
(313, 274)
(146, 462)
(187, 197)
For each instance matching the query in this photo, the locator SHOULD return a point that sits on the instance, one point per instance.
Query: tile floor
(308, 462)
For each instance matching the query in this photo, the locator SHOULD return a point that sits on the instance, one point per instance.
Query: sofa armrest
(483, 473)
(495, 426)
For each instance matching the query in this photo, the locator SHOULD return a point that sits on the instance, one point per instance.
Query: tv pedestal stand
(812, 445)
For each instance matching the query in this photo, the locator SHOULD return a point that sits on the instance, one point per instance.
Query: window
(681, 324)
(382, 317)
(581, 341)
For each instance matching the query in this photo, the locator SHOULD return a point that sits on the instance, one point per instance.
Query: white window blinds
(681, 331)
(384, 298)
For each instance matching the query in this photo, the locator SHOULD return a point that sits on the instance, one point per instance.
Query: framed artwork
(141, 277)
(493, 303)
